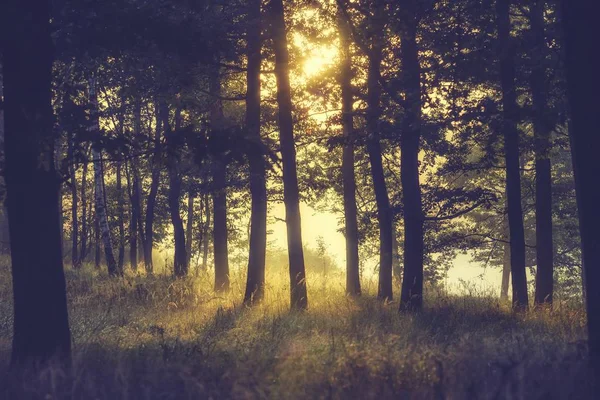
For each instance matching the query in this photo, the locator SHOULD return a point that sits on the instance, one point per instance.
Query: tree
(511, 156)
(299, 298)
(412, 283)
(348, 178)
(582, 66)
(258, 187)
(99, 195)
(544, 278)
(41, 324)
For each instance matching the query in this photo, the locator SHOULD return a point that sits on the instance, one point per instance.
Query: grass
(156, 338)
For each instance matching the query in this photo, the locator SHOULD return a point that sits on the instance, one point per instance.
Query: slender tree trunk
(505, 272)
(41, 323)
(121, 218)
(84, 218)
(511, 151)
(258, 185)
(299, 297)
(151, 202)
(396, 264)
(205, 238)
(133, 250)
(180, 261)
(412, 282)
(581, 34)
(348, 178)
(100, 199)
(219, 193)
(544, 278)
(189, 228)
(75, 259)
(384, 215)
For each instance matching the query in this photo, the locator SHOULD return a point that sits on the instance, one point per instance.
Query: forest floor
(156, 338)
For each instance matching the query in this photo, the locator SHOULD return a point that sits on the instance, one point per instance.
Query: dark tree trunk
(219, 193)
(299, 298)
(348, 178)
(258, 186)
(97, 247)
(205, 229)
(544, 278)
(511, 152)
(99, 192)
(132, 221)
(84, 217)
(151, 202)
(505, 270)
(121, 218)
(41, 324)
(412, 282)
(384, 212)
(75, 259)
(582, 62)
(180, 261)
(189, 228)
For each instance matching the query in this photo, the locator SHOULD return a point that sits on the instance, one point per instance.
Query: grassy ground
(155, 338)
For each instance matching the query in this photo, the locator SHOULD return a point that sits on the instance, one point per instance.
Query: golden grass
(157, 338)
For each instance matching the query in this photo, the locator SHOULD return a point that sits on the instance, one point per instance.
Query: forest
(248, 199)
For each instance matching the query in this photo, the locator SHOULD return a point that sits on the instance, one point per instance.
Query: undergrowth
(152, 337)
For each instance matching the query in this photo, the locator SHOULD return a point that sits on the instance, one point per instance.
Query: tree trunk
(189, 228)
(258, 186)
(299, 298)
(151, 202)
(205, 238)
(180, 260)
(41, 325)
(544, 278)
(505, 272)
(581, 33)
(511, 152)
(348, 178)
(121, 218)
(75, 260)
(132, 221)
(412, 282)
(84, 218)
(99, 196)
(384, 214)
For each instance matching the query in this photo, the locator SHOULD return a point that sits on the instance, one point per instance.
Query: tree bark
(84, 219)
(189, 228)
(75, 259)
(219, 190)
(258, 185)
(121, 218)
(298, 294)
(412, 282)
(99, 196)
(384, 214)
(583, 84)
(348, 178)
(544, 278)
(41, 325)
(151, 202)
(180, 260)
(511, 153)
(205, 229)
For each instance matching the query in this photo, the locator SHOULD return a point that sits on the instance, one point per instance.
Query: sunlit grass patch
(156, 337)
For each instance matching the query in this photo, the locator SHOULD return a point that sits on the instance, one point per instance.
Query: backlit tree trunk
(180, 260)
(511, 155)
(412, 282)
(41, 325)
(384, 214)
(299, 298)
(544, 278)
(189, 227)
(258, 187)
(348, 178)
(151, 201)
(84, 209)
(99, 197)
(219, 192)
(205, 229)
(75, 259)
